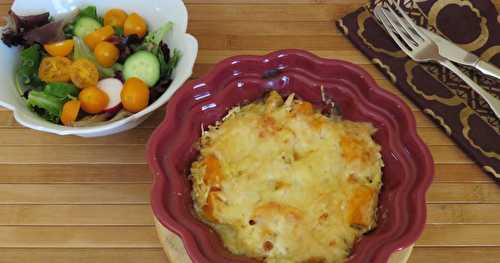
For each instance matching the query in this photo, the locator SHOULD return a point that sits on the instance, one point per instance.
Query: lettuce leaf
(49, 33)
(126, 45)
(172, 63)
(47, 106)
(17, 26)
(90, 11)
(153, 39)
(82, 51)
(27, 70)
(48, 103)
(64, 91)
(27, 30)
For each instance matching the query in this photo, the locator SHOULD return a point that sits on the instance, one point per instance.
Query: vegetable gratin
(280, 182)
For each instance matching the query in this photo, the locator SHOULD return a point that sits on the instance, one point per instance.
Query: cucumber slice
(143, 65)
(85, 26)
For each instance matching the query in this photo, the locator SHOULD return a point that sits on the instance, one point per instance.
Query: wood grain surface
(70, 199)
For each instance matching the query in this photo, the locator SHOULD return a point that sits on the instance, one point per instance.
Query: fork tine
(411, 23)
(394, 20)
(388, 27)
(405, 22)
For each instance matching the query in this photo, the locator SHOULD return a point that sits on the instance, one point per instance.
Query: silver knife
(459, 55)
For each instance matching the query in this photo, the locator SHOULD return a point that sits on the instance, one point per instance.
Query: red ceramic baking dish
(239, 80)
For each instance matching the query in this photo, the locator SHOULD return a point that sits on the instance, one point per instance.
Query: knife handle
(488, 69)
(492, 101)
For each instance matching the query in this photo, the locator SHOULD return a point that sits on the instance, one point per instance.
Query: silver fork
(421, 48)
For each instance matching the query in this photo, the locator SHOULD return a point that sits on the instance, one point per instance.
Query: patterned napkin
(463, 115)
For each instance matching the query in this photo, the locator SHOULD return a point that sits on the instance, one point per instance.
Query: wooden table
(69, 199)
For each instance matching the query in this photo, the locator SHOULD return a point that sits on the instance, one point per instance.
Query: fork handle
(488, 68)
(493, 102)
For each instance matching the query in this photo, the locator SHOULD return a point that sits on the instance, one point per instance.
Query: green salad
(85, 69)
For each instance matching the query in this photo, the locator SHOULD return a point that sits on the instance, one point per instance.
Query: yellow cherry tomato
(135, 24)
(60, 49)
(106, 54)
(135, 95)
(98, 36)
(93, 100)
(70, 112)
(54, 69)
(84, 73)
(115, 17)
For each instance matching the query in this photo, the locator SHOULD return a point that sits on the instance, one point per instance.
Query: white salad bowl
(156, 13)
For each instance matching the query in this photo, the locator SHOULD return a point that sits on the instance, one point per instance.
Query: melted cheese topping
(281, 182)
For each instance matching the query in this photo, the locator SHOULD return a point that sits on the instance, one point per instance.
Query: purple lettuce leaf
(158, 90)
(18, 26)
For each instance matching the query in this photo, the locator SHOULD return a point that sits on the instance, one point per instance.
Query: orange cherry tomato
(84, 73)
(60, 49)
(135, 24)
(70, 112)
(93, 100)
(115, 17)
(54, 69)
(98, 36)
(106, 54)
(135, 95)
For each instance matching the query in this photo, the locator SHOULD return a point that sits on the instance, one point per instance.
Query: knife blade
(459, 55)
